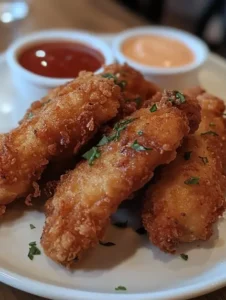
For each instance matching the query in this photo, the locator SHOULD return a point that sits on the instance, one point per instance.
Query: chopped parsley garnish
(138, 100)
(110, 76)
(121, 224)
(91, 155)
(141, 231)
(122, 84)
(121, 288)
(33, 250)
(184, 256)
(32, 226)
(140, 132)
(30, 115)
(44, 103)
(120, 126)
(153, 108)
(180, 96)
(136, 146)
(210, 133)
(187, 155)
(204, 159)
(106, 244)
(211, 124)
(192, 180)
(103, 141)
(32, 244)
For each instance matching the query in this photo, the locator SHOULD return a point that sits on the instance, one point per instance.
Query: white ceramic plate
(134, 263)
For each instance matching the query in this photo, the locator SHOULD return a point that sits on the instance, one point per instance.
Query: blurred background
(205, 18)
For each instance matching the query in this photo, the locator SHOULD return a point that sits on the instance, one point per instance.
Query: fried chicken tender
(36, 106)
(189, 196)
(189, 105)
(59, 129)
(135, 89)
(79, 212)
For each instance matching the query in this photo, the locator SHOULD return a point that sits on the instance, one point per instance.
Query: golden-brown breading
(36, 106)
(187, 200)
(135, 89)
(207, 101)
(78, 213)
(189, 106)
(60, 128)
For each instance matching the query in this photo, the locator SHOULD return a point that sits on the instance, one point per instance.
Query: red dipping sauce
(60, 59)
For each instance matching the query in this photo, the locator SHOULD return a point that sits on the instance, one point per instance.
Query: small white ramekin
(31, 86)
(170, 78)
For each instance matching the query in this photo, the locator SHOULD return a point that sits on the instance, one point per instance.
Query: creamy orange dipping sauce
(157, 51)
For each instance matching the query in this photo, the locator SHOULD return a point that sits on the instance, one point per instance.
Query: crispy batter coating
(36, 106)
(190, 105)
(135, 89)
(207, 101)
(60, 128)
(78, 213)
(178, 208)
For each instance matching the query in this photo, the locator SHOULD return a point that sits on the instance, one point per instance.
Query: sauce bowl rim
(200, 54)
(88, 39)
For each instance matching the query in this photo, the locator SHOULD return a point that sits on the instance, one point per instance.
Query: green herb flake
(30, 115)
(141, 231)
(204, 159)
(32, 226)
(184, 256)
(211, 124)
(210, 132)
(121, 288)
(122, 84)
(33, 250)
(136, 146)
(187, 155)
(103, 141)
(192, 180)
(140, 132)
(32, 244)
(106, 244)
(91, 155)
(121, 224)
(138, 101)
(120, 126)
(153, 108)
(180, 96)
(44, 103)
(110, 76)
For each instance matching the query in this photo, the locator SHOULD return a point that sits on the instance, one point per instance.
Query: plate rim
(51, 291)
